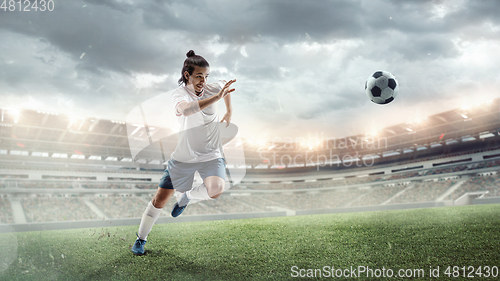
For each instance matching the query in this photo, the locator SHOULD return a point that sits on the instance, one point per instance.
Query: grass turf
(262, 249)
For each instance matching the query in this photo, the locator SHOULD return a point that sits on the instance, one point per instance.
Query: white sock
(199, 192)
(149, 218)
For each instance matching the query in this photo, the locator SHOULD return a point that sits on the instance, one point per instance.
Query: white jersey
(199, 135)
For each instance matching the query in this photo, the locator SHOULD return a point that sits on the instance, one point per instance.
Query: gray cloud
(295, 61)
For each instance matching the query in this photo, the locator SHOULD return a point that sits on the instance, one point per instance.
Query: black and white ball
(381, 87)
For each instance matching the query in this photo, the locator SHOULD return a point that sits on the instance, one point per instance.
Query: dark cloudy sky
(300, 65)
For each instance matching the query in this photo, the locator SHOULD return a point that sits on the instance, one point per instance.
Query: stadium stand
(120, 206)
(301, 200)
(5, 211)
(46, 209)
(488, 183)
(107, 185)
(223, 204)
(403, 176)
(53, 170)
(456, 168)
(147, 186)
(424, 191)
(485, 164)
(378, 195)
(44, 184)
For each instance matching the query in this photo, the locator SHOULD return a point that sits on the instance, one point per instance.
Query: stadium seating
(488, 183)
(5, 211)
(107, 185)
(115, 207)
(61, 208)
(424, 191)
(44, 184)
(485, 164)
(45, 209)
(378, 195)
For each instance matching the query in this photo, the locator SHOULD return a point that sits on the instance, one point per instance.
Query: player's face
(197, 80)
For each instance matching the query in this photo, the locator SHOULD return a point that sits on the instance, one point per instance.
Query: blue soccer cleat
(138, 247)
(180, 206)
(177, 211)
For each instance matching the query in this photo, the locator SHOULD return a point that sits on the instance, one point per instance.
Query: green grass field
(266, 249)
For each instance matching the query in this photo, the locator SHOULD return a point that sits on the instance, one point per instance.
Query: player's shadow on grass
(157, 264)
(150, 253)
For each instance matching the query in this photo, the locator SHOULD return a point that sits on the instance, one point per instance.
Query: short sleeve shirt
(199, 134)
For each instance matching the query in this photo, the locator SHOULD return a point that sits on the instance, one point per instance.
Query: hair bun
(190, 54)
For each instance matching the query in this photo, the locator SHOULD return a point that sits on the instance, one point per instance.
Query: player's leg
(215, 186)
(213, 174)
(214, 177)
(198, 193)
(183, 182)
(153, 210)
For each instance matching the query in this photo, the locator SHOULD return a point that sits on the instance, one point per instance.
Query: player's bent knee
(215, 189)
(215, 196)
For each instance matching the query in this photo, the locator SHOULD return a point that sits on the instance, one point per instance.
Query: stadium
(360, 140)
(50, 162)
(61, 173)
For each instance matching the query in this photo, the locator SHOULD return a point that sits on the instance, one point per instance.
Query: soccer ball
(381, 87)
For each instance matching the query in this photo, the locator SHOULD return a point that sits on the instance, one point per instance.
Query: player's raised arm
(189, 108)
(229, 109)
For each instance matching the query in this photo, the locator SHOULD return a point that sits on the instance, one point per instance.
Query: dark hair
(190, 63)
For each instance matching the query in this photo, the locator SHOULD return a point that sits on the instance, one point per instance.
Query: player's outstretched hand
(226, 90)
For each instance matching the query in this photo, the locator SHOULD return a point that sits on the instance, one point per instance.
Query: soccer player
(199, 146)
